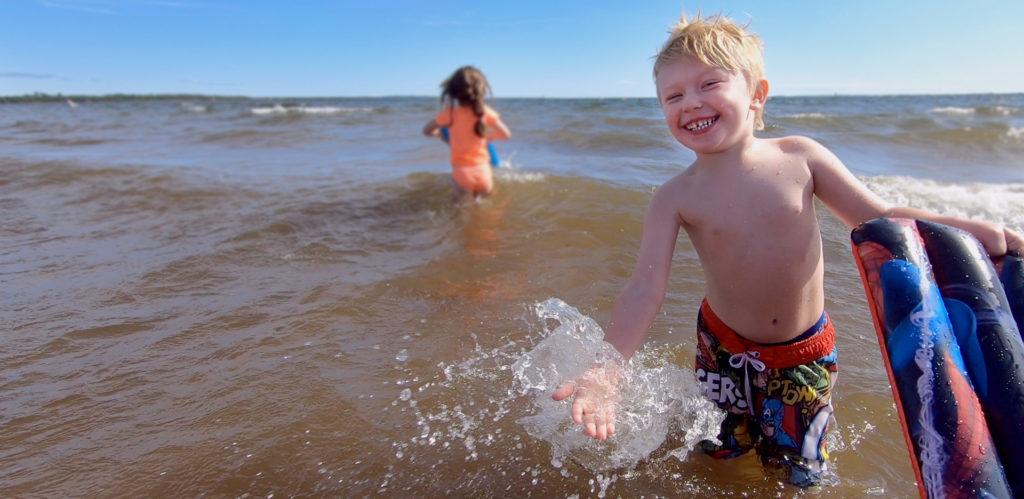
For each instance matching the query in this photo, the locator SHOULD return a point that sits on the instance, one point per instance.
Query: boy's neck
(737, 155)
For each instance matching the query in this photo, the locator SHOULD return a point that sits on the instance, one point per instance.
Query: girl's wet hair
(467, 86)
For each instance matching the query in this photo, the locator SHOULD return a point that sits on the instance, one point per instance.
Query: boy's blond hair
(716, 41)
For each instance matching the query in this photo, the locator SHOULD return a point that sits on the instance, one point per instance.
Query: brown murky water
(168, 335)
(198, 300)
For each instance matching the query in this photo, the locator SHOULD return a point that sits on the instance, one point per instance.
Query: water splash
(657, 396)
(496, 404)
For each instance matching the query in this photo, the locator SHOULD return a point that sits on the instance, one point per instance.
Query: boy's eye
(711, 84)
(673, 97)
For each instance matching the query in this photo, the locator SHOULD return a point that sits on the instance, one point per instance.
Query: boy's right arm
(596, 390)
(641, 298)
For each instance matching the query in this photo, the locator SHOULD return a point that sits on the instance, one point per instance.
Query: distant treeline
(40, 97)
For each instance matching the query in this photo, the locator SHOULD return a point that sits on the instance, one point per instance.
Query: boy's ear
(760, 94)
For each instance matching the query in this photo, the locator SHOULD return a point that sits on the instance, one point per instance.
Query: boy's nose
(691, 104)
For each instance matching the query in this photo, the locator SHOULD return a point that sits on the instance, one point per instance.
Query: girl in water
(471, 124)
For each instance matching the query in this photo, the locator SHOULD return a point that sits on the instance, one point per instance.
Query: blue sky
(527, 48)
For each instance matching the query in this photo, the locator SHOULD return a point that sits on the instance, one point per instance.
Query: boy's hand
(996, 239)
(596, 398)
(1014, 242)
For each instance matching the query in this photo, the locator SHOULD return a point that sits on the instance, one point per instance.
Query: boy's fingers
(563, 391)
(596, 426)
(589, 428)
(577, 411)
(611, 428)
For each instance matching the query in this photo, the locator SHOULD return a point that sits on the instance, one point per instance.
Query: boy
(765, 346)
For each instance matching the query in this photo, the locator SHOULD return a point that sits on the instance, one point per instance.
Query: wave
(249, 137)
(978, 128)
(979, 111)
(816, 121)
(633, 140)
(35, 126)
(956, 111)
(1001, 203)
(278, 109)
(518, 176)
(70, 142)
(801, 116)
(194, 108)
(27, 126)
(637, 122)
(30, 175)
(985, 136)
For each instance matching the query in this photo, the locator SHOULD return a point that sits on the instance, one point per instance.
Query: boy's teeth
(698, 125)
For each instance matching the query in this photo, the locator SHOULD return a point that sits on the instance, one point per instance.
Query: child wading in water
(765, 347)
(471, 124)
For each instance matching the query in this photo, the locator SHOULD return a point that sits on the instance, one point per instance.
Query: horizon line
(60, 95)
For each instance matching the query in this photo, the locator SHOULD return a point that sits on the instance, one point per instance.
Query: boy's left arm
(997, 239)
(850, 200)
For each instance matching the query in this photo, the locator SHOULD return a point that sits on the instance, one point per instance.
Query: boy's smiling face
(708, 109)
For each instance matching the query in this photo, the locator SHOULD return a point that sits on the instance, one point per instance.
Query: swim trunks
(777, 396)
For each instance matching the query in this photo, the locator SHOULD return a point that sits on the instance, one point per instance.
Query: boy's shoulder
(806, 151)
(794, 144)
(676, 192)
(681, 180)
(794, 149)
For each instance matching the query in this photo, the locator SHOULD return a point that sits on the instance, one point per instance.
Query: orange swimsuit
(470, 159)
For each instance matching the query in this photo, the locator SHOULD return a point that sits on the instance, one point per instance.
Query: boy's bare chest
(758, 196)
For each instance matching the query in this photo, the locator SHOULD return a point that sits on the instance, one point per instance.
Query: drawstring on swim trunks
(744, 359)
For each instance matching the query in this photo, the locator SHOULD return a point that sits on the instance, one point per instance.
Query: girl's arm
(498, 131)
(431, 129)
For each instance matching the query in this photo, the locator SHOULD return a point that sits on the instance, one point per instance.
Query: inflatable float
(495, 160)
(948, 323)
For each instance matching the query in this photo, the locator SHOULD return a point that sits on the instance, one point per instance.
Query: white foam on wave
(955, 111)
(508, 174)
(1002, 110)
(1002, 203)
(1015, 133)
(816, 116)
(312, 110)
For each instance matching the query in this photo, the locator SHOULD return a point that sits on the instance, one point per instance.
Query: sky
(526, 48)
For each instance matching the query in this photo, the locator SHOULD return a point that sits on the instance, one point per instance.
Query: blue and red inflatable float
(948, 322)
